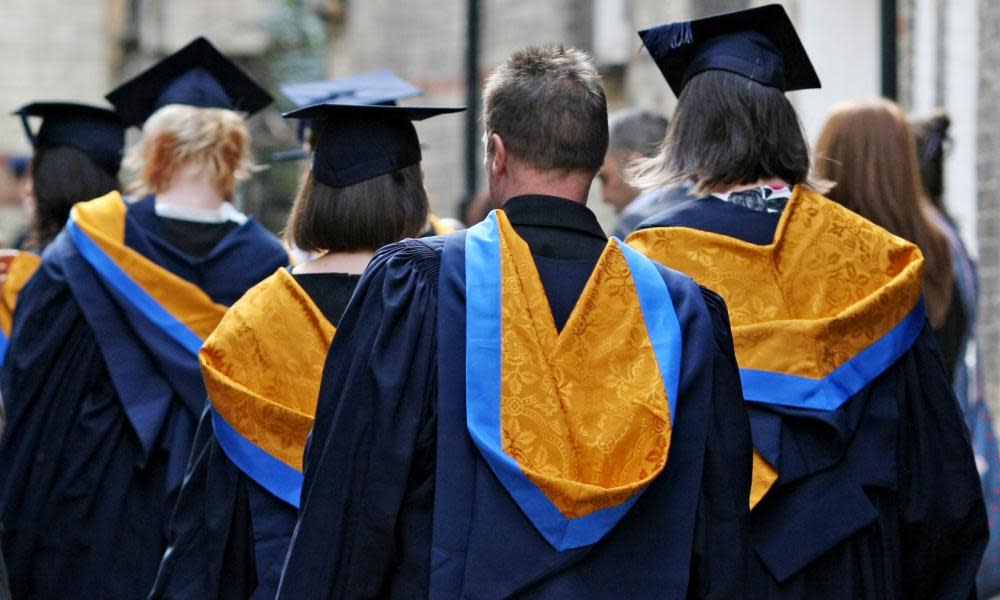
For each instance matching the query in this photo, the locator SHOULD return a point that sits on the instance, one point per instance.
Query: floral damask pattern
(811, 300)
(808, 302)
(264, 363)
(584, 411)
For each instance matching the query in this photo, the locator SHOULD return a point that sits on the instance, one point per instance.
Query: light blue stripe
(830, 392)
(283, 481)
(117, 278)
(4, 342)
(483, 368)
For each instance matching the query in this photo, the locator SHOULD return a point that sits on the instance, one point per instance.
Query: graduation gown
(398, 500)
(237, 508)
(103, 391)
(864, 483)
(18, 269)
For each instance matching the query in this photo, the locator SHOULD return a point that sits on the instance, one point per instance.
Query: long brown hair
(867, 150)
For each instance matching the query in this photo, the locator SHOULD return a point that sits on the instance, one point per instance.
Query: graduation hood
(817, 314)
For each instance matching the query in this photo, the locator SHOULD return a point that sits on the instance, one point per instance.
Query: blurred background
(922, 53)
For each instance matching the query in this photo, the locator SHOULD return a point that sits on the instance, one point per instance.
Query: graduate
(102, 383)
(262, 365)
(376, 88)
(78, 151)
(864, 482)
(527, 407)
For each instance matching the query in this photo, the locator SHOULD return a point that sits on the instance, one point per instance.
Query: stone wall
(988, 195)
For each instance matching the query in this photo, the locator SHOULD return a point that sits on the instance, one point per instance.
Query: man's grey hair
(547, 104)
(635, 130)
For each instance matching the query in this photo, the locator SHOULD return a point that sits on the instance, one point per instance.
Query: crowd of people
(763, 385)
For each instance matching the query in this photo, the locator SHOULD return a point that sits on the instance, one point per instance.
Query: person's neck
(352, 263)
(527, 181)
(192, 188)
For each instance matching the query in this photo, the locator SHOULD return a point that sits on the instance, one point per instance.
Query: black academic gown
(370, 516)
(84, 495)
(228, 535)
(877, 499)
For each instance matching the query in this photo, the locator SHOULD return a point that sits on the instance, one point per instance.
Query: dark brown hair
(931, 137)
(726, 131)
(363, 216)
(867, 150)
(547, 104)
(62, 176)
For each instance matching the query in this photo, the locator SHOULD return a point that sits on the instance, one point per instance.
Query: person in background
(101, 381)
(464, 447)
(632, 134)
(77, 154)
(867, 151)
(864, 482)
(932, 140)
(381, 88)
(78, 151)
(14, 182)
(262, 365)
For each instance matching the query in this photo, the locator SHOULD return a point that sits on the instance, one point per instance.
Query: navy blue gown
(877, 499)
(228, 535)
(398, 503)
(86, 482)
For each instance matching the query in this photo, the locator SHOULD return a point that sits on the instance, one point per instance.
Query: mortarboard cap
(97, 132)
(758, 43)
(379, 87)
(360, 142)
(196, 75)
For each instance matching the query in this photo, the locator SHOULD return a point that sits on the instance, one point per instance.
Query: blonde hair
(177, 135)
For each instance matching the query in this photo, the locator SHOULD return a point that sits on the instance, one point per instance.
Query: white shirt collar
(225, 212)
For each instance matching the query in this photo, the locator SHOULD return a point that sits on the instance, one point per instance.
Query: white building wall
(843, 41)
(961, 96)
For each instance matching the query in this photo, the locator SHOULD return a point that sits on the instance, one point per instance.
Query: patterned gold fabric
(103, 220)
(584, 411)
(18, 268)
(263, 366)
(808, 302)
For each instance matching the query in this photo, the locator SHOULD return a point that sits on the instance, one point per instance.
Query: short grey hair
(636, 130)
(547, 104)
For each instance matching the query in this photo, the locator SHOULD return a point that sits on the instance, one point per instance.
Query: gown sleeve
(721, 542)
(944, 530)
(365, 517)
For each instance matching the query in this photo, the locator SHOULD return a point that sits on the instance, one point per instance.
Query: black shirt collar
(538, 210)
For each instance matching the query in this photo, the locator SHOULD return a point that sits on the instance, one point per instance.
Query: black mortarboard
(360, 142)
(97, 132)
(378, 87)
(196, 75)
(758, 43)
